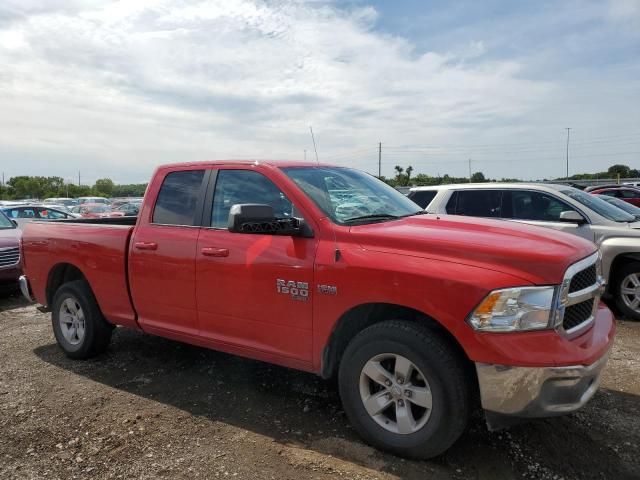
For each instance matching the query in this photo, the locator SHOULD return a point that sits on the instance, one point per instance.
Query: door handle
(215, 252)
(146, 245)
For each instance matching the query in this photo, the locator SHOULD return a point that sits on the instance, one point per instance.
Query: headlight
(515, 309)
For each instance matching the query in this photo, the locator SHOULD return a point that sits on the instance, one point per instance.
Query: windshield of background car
(344, 194)
(98, 209)
(5, 222)
(621, 204)
(598, 205)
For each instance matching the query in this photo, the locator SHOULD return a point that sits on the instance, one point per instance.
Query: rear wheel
(404, 389)
(627, 290)
(78, 325)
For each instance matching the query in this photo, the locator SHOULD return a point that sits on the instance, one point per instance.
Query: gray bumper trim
(527, 392)
(24, 287)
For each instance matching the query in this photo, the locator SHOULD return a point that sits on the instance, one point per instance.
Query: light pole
(568, 130)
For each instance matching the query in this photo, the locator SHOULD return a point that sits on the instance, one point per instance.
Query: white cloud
(132, 83)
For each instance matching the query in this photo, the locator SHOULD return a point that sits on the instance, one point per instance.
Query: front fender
(444, 291)
(612, 248)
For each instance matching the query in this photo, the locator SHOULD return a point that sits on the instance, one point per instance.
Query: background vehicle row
(616, 232)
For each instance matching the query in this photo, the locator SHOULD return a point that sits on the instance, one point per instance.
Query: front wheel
(404, 389)
(78, 325)
(627, 290)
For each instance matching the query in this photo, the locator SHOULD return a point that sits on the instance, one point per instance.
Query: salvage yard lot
(153, 408)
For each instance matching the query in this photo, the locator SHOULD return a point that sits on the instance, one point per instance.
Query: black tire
(439, 363)
(97, 331)
(619, 277)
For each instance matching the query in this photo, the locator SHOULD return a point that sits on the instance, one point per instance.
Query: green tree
(622, 170)
(409, 170)
(104, 187)
(478, 177)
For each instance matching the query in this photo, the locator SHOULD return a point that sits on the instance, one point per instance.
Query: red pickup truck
(329, 270)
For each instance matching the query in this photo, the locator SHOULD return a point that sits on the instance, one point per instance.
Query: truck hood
(9, 237)
(535, 254)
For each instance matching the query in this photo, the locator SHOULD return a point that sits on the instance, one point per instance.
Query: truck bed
(98, 248)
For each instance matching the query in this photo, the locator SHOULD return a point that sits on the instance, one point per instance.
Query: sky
(115, 88)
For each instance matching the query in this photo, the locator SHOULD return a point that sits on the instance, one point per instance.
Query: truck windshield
(350, 197)
(5, 222)
(598, 205)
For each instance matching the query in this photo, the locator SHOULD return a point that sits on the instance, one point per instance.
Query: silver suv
(616, 232)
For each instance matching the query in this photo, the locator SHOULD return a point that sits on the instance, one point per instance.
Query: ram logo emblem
(296, 290)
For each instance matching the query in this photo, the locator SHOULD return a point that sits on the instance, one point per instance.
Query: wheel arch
(59, 275)
(362, 316)
(619, 261)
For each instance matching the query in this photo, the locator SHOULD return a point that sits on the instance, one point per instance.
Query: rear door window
(476, 203)
(422, 198)
(178, 198)
(531, 205)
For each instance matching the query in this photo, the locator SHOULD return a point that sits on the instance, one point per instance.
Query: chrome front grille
(9, 257)
(580, 294)
(583, 279)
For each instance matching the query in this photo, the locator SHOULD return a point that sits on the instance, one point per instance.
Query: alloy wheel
(395, 393)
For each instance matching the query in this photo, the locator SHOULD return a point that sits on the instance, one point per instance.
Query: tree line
(26, 187)
(404, 178)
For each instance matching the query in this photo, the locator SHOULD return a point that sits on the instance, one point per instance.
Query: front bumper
(529, 392)
(25, 288)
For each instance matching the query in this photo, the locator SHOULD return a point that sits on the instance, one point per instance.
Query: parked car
(117, 202)
(632, 184)
(10, 262)
(411, 312)
(628, 194)
(83, 200)
(26, 213)
(622, 205)
(126, 209)
(91, 210)
(67, 202)
(616, 232)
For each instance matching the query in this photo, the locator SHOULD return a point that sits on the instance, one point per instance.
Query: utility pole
(380, 160)
(568, 130)
(469, 170)
(78, 177)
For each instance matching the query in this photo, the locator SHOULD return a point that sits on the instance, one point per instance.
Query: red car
(92, 210)
(628, 194)
(329, 270)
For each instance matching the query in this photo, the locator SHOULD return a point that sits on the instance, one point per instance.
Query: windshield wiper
(419, 212)
(375, 216)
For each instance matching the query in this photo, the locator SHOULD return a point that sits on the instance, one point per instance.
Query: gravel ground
(152, 408)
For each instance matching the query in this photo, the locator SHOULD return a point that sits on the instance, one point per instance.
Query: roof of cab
(272, 163)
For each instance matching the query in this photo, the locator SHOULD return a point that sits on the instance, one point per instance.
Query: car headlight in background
(515, 309)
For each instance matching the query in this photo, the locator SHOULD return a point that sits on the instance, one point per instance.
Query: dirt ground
(152, 408)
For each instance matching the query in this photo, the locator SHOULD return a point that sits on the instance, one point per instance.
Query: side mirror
(571, 216)
(14, 223)
(260, 219)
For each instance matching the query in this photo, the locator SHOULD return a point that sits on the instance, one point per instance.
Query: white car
(561, 207)
(22, 214)
(82, 200)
